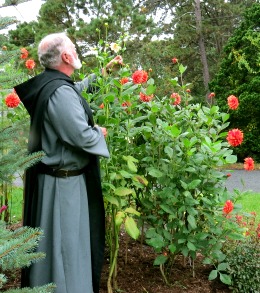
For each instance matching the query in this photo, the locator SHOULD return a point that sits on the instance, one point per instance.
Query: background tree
(239, 76)
(159, 30)
(218, 21)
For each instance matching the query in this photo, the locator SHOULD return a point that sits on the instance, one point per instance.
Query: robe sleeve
(70, 122)
(86, 83)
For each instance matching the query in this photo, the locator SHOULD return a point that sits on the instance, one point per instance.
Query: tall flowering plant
(164, 170)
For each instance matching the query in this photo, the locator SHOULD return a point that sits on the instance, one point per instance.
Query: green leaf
(193, 184)
(112, 200)
(125, 174)
(167, 209)
(141, 179)
(132, 211)
(172, 248)
(181, 241)
(182, 68)
(222, 266)
(130, 163)
(119, 218)
(236, 236)
(151, 233)
(130, 90)
(155, 108)
(156, 243)
(175, 131)
(174, 81)
(213, 275)
(160, 259)
(231, 159)
(123, 191)
(192, 221)
(132, 167)
(191, 246)
(184, 185)
(109, 98)
(117, 83)
(169, 151)
(131, 228)
(150, 89)
(225, 117)
(155, 173)
(224, 278)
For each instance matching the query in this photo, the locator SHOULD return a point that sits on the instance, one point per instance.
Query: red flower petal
(140, 76)
(249, 164)
(235, 137)
(12, 100)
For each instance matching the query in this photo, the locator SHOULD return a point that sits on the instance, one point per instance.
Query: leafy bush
(244, 267)
(239, 76)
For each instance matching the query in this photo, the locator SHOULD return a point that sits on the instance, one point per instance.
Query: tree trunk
(203, 56)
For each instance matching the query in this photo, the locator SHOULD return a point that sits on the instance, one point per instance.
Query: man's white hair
(50, 49)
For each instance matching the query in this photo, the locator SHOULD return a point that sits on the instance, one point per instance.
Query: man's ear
(65, 57)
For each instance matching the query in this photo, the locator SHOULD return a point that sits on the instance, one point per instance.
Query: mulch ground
(139, 275)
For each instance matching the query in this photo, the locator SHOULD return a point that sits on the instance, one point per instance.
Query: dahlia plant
(165, 167)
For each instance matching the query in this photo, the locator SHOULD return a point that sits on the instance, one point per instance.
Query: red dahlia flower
(24, 53)
(3, 208)
(124, 80)
(228, 207)
(235, 137)
(239, 218)
(140, 76)
(126, 104)
(30, 64)
(211, 95)
(12, 100)
(249, 164)
(177, 98)
(232, 102)
(174, 60)
(145, 98)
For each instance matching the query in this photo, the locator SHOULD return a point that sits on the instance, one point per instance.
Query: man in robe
(62, 193)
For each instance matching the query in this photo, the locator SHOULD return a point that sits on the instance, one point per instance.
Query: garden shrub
(244, 267)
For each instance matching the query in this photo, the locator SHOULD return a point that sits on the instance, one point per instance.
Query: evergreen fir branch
(44, 289)
(6, 21)
(3, 280)
(14, 156)
(26, 243)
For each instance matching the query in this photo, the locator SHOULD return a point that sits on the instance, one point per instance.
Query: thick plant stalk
(114, 255)
(163, 274)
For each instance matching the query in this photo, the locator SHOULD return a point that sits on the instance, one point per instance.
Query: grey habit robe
(61, 206)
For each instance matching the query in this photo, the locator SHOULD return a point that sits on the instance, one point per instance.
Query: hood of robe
(30, 90)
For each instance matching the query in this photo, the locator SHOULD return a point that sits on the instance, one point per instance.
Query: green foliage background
(239, 76)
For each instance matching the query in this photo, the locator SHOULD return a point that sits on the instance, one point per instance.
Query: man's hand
(113, 65)
(104, 131)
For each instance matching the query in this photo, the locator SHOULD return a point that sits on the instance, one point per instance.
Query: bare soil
(139, 275)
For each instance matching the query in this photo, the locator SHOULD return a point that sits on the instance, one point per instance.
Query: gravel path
(239, 179)
(244, 180)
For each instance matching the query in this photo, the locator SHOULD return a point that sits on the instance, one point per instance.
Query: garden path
(239, 179)
(244, 180)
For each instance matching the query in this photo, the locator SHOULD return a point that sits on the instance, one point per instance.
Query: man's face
(76, 63)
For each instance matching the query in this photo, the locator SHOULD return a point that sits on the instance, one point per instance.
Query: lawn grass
(250, 202)
(15, 203)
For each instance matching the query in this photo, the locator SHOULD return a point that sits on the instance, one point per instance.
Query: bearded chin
(77, 63)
